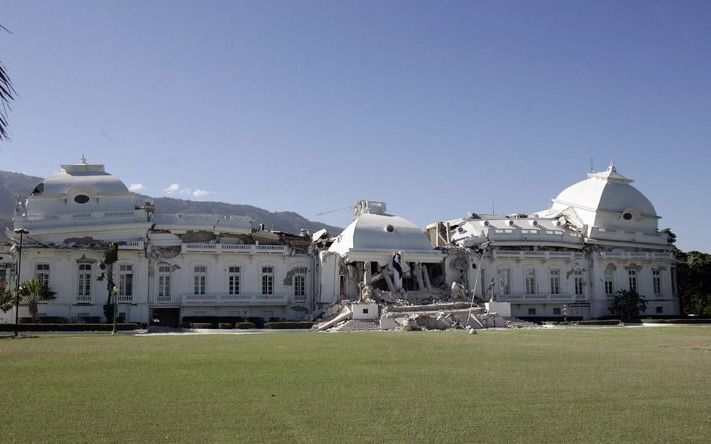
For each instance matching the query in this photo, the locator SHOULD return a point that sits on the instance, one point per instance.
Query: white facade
(170, 267)
(599, 236)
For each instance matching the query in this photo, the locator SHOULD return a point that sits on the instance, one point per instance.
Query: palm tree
(33, 292)
(6, 95)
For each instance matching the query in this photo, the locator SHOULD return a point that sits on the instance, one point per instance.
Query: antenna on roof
(350, 207)
(83, 160)
(493, 207)
(592, 166)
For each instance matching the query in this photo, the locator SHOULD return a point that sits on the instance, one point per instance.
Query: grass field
(603, 385)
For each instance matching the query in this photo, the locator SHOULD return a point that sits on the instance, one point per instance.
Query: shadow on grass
(17, 337)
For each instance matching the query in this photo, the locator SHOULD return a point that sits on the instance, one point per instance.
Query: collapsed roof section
(375, 237)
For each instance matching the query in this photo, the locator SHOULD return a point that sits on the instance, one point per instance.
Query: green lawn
(604, 385)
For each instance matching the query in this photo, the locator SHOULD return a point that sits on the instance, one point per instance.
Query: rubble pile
(412, 311)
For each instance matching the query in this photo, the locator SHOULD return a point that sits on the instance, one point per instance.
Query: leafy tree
(628, 304)
(694, 281)
(671, 237)
(107, 267)
(32, 292)
(7, 299)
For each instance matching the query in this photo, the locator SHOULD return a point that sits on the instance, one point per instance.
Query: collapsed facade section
(600, 236)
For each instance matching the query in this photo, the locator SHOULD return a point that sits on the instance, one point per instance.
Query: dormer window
(81, 198)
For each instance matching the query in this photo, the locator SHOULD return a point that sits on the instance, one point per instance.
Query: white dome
(606, 200)
(79, 189)
(83, 177)
(382, 235)
(606, 191)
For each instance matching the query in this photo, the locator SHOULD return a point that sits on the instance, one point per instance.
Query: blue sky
(438, 108)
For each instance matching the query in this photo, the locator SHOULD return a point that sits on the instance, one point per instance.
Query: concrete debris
(413, 311)
(344, 315)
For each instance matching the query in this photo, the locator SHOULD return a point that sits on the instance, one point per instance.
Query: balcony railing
(235, 248)
(639, 255)
(93, 217)
(538, 254)
(538, 297)
(231, 299)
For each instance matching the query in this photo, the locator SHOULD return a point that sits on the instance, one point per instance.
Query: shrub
(225, 325)
(258, 322)
(289, 324)
(201, 325)
(55, 320)
(244, 325)
(68, 327)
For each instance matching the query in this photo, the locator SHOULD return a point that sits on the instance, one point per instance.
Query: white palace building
(599, 236)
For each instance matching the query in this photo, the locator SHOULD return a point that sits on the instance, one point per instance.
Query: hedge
(68, 327)
(202, 325)
(600, 322)
(244, 325)
(678, 321)
(289, 325)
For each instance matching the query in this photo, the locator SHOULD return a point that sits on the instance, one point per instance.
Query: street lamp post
(115, 291)
(21, 232)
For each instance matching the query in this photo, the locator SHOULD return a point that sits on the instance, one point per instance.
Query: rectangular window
(555, 281)
(660, 310)
(233, 280)
(42, 274)
(632, 277)
(556, 311)
(199, 279)
(530, 275)
(125, 283)
(531, 311)
(299, 288)
(3, 274)
(657, 282)
(267, 280)
(84, 283)
(578, 282)
(609, 288)
(164, 283)
(504, 281)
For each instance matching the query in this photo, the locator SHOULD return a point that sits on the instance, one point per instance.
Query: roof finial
(83, 160)
(612, 167)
